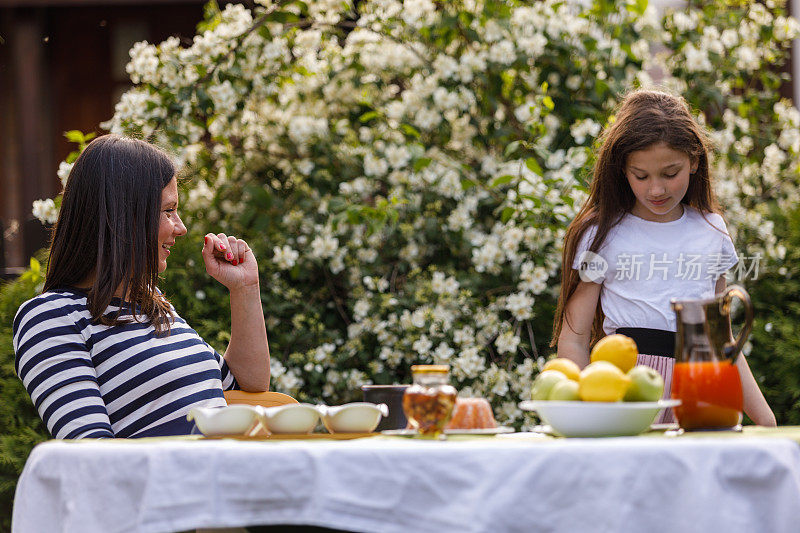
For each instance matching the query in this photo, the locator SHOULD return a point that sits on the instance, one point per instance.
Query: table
(744, 483)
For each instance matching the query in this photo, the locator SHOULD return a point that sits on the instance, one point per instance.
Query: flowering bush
(405, 172)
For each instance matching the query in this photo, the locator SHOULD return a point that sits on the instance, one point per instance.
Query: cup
(392, 396)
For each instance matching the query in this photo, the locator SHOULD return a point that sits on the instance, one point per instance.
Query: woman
(101, 351)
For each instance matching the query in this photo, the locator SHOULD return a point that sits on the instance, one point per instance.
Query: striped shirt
(91, 380)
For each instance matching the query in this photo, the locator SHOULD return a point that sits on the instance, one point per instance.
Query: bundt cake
(472, 413)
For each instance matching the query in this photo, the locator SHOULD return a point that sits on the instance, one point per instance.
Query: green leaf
(638, 7)
(409, 130)
(506, 215)
(211, 17)
(421, 163)
(336, 204)
(512, 147)
(369, 115)
(535, 199)
(548, 103)
(501, 180)
(74, 136)
(353, 215)
(533, 166)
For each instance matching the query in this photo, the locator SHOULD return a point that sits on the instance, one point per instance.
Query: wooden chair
(264, 399)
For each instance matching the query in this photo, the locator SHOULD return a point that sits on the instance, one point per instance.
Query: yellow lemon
(565, 366)
(602, 382)
(617, 349)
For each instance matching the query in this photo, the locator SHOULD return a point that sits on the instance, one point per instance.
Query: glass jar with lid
(428, 403)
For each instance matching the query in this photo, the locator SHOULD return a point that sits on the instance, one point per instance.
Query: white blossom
(507, 342)
(685, 21)
(374, 166)
(360, 309)
(502, 52)
(223, 96)
(422, 345)
(45, 210)
(696, 59)
(746, 58)
(397, 156)
(520, 305)
(582, 129)
(64, 169)
(285, 257)
(443, 352)
(729, 38)
(324, 246)
(303, 128)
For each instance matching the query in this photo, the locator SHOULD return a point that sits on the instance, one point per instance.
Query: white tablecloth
(398, 485)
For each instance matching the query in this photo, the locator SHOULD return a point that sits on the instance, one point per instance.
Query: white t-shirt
(643, 264)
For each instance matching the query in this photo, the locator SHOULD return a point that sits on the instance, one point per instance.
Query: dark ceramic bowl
(392, 396)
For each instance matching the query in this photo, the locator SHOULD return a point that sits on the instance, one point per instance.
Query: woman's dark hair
(644, 118)
(108, 229)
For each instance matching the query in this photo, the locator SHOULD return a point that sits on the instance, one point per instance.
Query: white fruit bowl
(597, 419)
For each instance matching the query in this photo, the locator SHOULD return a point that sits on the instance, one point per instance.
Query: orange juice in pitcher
(705, 377)
(710, 394)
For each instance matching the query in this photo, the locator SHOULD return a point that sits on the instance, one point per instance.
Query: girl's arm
(231, 262)
(576, 330)
(755, 405)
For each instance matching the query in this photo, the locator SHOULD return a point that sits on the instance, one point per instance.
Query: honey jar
(428, 403)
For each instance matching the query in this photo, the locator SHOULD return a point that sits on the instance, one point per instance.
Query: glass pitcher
(705, 377)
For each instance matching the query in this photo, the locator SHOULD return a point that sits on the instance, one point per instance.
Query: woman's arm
(755, 405)
(231, 262)
(576, 330)
(57, 370)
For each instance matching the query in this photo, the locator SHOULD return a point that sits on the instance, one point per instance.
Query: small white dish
(293, 418)
(357, 417)
(597, 419)
(229, 420)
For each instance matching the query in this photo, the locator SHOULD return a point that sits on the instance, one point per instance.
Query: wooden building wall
(62, 67)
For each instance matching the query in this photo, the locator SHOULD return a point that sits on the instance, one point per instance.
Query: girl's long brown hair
(644, 118)
(108, 229)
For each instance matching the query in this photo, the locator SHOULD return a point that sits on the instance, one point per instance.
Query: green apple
(566, 391)
(647, 385)
(544, 383)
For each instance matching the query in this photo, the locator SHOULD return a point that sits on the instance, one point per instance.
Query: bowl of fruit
(612, 396)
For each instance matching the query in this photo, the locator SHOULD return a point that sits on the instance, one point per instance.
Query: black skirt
(651, 341)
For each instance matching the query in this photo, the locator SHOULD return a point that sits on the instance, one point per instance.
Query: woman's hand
(230, 261)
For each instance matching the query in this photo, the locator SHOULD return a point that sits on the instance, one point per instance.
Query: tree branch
(336, 299)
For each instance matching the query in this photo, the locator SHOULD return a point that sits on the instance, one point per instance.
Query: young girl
(101, 351)
(649, 231)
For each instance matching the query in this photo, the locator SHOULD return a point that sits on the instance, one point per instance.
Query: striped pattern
(664, 367)
(90, 380)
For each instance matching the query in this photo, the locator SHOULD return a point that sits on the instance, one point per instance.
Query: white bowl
(290, 418)
(230, 420)
(357, 417)
(597, 419)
